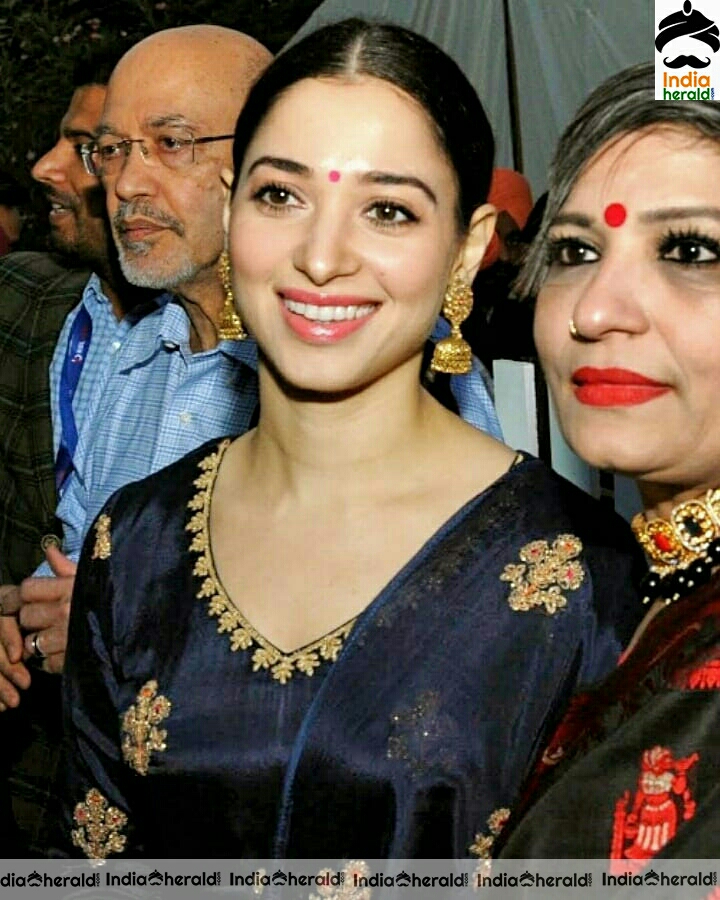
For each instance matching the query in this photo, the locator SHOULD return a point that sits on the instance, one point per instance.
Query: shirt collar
(172, 334)
(94, 293)
(94, 296)
(175, 329)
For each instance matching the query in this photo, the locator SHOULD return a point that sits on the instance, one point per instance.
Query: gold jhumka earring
(230, 328)
(453, 354)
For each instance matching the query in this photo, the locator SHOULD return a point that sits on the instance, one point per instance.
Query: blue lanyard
(75, 356)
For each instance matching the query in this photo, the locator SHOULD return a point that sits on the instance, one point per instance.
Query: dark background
(41, 41)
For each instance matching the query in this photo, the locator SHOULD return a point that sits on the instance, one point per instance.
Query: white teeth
(328, 313)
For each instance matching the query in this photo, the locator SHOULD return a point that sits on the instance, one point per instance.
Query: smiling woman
(627, 327)
(369, 255)
(364, 606)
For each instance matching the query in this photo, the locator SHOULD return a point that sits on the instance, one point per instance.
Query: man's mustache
(142, 209)
(693, 61)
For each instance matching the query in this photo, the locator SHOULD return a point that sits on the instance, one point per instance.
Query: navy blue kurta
(189, 736)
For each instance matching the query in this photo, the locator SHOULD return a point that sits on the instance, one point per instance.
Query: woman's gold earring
(453, 354)
(230, 327)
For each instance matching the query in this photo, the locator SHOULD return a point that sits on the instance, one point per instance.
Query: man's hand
(45, 611)
(13, 673)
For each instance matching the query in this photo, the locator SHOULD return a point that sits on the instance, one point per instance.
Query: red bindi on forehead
(334, 175)
(615, 214)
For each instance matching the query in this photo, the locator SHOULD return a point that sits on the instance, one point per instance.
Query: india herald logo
(680, 30)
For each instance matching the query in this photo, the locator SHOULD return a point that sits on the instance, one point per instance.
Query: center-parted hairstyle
(623, 104)
(356, 47)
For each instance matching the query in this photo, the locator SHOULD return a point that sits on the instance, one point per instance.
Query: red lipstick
(615, 387)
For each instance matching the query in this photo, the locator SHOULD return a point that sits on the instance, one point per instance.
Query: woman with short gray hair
(627, 263)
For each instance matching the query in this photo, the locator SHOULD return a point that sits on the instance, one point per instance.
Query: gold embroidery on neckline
(242, 634)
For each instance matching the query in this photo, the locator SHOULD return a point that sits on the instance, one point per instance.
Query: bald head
(175, 86)
(208, 57)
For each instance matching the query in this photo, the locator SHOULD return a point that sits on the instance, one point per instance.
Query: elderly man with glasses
(165, 210)
(180, 208)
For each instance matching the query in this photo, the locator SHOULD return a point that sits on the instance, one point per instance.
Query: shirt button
(185, 418)
(116, 345)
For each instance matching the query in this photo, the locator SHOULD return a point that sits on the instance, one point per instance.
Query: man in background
(205, 94)
(37, 291)
(13, 200)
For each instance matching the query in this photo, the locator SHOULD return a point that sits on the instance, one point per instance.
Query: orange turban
(509, 191)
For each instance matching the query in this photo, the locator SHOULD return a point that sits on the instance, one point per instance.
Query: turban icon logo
(680, 30)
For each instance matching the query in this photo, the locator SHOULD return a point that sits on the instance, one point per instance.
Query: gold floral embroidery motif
(230, 620)
(343, 885)
(139, 727)
(103, 544)
(544, 573)
(483, 843)
(99, 826)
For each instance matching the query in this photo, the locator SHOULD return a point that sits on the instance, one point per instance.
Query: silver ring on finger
(35, 645)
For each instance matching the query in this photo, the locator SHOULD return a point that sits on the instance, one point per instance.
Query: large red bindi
(615, 215)
(334, 175)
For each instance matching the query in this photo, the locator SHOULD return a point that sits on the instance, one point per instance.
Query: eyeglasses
(106, 157)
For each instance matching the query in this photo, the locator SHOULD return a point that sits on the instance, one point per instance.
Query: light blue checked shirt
(158, 401)
(473, 392)
(107, 337)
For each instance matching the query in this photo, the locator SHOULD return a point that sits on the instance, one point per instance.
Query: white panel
(567, 463)
(515, 403)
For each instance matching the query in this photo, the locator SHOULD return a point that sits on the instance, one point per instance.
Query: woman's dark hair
(623, 104)
(356, 47)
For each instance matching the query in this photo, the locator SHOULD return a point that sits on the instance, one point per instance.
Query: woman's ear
(226, 177)
(475, 242)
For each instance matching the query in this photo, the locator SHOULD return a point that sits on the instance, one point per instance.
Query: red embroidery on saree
(662, 800)
(701, 678)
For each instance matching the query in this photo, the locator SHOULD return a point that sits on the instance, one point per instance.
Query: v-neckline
(242, 634)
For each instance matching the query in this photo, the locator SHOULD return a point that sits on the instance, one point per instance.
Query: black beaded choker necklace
(683, 551)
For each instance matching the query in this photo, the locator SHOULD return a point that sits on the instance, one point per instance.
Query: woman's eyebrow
(680, 212)
(572, 218)
(279, 162)
(391, 178)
